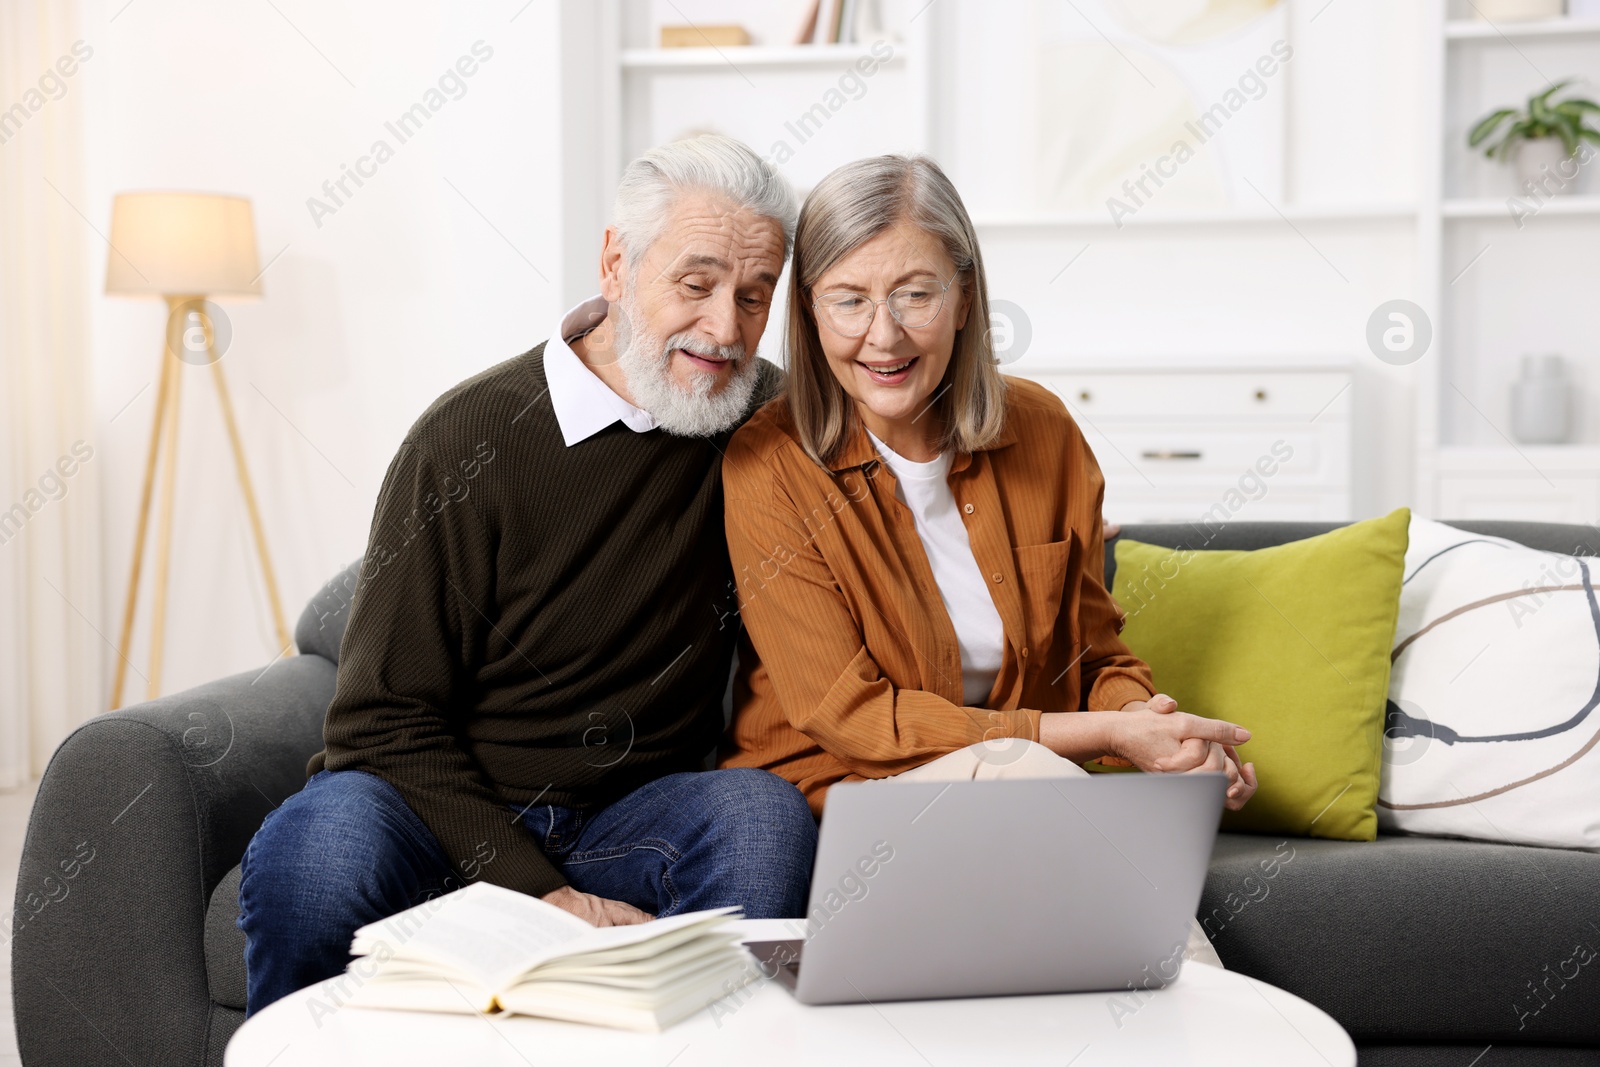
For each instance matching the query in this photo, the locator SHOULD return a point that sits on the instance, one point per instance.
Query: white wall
(366, 318)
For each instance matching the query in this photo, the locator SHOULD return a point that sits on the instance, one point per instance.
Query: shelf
(1478, 30)
(1241, 216)
(1487, 208)
(1472, 459)
(741, 56)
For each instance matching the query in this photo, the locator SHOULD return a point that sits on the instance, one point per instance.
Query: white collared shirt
(584, 405)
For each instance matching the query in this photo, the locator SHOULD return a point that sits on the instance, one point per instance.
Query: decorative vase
(1539, 401)
(1516, 10)
(1544, 166)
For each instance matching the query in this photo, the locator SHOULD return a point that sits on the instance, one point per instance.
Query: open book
(489, 949)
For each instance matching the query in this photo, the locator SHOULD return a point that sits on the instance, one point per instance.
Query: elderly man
(533, 671)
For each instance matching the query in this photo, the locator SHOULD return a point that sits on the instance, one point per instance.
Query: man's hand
(596, 911)
(1219, 757)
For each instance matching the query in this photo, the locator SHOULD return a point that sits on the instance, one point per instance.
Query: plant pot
(1516, 10)
(1544, 162)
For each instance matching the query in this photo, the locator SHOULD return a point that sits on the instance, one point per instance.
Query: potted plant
(1544, 138)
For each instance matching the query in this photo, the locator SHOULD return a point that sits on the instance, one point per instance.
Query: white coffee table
(1208, 1016)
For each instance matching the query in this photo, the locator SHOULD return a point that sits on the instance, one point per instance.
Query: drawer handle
(1167, 453)
(1261, 394)
(1084, 395)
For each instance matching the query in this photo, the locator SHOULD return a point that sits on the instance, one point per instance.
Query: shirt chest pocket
(1042, 572)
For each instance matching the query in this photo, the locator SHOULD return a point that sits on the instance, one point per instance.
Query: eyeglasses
(913, 306)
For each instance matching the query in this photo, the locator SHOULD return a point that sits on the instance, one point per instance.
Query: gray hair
(708, 163)
(844, 211)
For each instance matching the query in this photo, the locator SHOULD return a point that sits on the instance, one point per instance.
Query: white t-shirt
(925, 489)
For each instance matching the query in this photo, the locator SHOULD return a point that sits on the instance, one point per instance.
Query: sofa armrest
(139, 815)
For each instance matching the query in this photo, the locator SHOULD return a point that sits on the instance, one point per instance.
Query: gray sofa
(1419, 947)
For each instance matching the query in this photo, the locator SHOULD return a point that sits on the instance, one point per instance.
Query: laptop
(966, 889)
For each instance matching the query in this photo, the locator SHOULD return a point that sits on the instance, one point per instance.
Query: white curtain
(52, 652)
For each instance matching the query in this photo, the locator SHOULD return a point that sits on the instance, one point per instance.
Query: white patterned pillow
(1492, 728)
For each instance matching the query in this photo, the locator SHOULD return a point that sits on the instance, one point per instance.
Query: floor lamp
(185, 248)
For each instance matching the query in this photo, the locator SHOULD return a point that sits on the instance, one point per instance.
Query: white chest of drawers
(1214, 444)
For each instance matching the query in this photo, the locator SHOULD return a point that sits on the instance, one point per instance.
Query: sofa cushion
(1416, 939)
(224, 944)
(1289, 641)
(322, 623)
(1490, 728)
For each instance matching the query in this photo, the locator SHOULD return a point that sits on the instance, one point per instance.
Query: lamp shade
(182, 244)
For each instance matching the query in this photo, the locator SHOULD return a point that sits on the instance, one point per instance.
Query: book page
(485, 931)
(644, 1010)
(495, 935)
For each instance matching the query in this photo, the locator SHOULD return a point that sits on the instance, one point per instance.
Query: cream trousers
(1014, 758)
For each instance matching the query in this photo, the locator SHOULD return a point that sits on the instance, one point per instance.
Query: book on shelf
(841, 22)
(489, 949)
(725, 36)
(832, 25)
(808, 25)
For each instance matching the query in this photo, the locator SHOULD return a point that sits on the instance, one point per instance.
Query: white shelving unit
(786, 101)
(1498, 289)
(680, 59)
(1482, 30)
(1485, 208)
(808, 108)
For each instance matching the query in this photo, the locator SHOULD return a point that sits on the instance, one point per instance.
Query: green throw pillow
(1291, 642)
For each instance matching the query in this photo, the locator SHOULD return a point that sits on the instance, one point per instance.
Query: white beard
(646, 363)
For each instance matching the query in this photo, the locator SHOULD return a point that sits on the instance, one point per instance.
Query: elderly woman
(917, 539)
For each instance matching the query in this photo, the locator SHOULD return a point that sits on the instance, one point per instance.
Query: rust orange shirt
(849, 666)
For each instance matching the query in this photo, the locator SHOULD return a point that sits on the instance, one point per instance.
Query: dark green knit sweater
(534, 623)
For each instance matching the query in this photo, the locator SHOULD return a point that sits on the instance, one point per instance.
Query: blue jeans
(346, 851)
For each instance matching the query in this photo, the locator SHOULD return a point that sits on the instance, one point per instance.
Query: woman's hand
(1241, 780)
(1218, 757)
(1224, 759)
(1168, 741)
